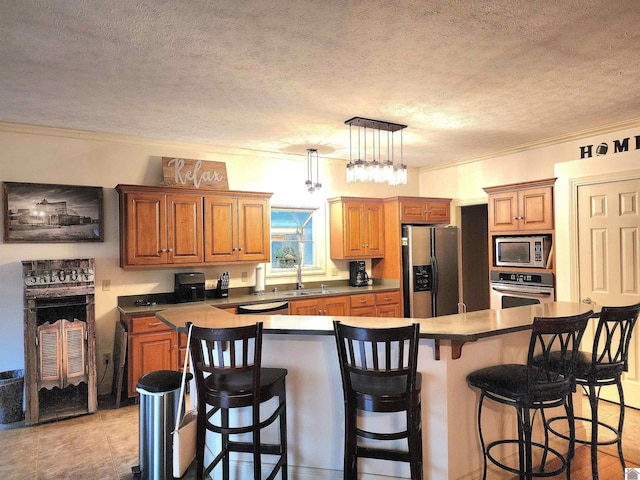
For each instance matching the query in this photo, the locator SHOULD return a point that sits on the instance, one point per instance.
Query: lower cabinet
(151, 346)
(321, 306)
(384, 304)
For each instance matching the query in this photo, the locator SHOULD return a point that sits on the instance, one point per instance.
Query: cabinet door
(363, 311)
(438, 212)
(253, 230)
(374, 245)
(185, 242)
(354, 229)
(412, 211)
(338, 306)
(144, 240)
(389, 310)
(536, 209)
(220, 229)
(503, 211)
(305, 307)
(148, 352)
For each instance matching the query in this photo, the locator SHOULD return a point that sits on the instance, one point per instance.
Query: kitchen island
(306, 347)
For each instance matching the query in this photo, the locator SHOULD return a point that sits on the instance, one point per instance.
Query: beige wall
(40, 155)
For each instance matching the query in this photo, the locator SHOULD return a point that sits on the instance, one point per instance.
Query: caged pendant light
(376, 170)
(312, 154)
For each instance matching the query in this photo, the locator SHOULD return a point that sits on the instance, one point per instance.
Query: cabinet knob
(170, 250)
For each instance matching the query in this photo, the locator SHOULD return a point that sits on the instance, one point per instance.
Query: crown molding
(633, 123)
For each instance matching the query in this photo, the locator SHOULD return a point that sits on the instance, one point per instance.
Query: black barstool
(227, 367)
(534, 387)
(378, 368)
(604, 365)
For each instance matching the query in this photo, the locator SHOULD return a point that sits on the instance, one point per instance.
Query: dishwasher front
(272, 308)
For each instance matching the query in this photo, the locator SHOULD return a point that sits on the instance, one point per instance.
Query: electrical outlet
(106, 359)
(244, 276)
(334, 272)
(106, 285)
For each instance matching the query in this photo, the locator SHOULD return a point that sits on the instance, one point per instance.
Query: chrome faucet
(300, 285)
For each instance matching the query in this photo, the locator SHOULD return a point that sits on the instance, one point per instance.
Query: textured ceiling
(468, 77)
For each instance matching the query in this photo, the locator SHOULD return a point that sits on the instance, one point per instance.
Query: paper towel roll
(260, 278)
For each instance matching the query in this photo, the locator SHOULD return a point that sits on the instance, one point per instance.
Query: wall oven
(516, 289)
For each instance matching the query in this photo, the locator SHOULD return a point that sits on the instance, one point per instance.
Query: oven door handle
(505, 289)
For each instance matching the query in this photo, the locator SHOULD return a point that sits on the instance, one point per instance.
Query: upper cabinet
(416, 210)
(236, 228)
(357, 228)
(522, 207)
(158, 228)
(164, 226)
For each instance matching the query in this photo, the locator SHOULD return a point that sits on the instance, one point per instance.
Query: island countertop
(457, 329)
(305, 346)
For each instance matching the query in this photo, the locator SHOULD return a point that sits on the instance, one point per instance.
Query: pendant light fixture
(312, 154)
(376, 170)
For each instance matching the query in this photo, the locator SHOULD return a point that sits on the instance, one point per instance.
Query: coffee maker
(357, 274)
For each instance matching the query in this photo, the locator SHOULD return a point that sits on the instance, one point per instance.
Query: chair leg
(620, 422)
(350, 440)
(201, 431)
(568, 406)
(257, 447)
(482, 444)
(526, 424)
(414, 440)
(283, 433)
(593, 402)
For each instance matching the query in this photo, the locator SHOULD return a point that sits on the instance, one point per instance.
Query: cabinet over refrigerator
(429, 270)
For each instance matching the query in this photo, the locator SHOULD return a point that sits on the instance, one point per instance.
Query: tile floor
(104, 446)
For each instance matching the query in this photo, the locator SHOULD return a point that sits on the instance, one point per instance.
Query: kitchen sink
(306, 293)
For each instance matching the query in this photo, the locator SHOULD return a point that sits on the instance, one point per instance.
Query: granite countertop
(457, 329)
(152, 303)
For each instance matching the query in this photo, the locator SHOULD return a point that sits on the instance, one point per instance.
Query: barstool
(227, 367)
(604, 365)
(534, 386)
(378, 369)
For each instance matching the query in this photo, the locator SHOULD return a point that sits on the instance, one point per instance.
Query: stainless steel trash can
(159, 396)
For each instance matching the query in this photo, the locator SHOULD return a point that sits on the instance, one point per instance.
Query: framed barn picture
(49, 213)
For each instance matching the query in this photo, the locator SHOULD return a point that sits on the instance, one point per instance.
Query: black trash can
(159, 397)
(11, 395)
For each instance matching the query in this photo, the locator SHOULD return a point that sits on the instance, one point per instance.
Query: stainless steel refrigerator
(430, 270)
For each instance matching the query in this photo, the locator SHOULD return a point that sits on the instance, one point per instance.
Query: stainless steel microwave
(531, 252)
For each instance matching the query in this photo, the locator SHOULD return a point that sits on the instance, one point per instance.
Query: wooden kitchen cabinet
(338, 305)
(419, 210)
(236, 228)
(384, 304)
(389, 304)
(151, 346)
(356, 228)
(521, 208)
(160, 229)
(167, 226)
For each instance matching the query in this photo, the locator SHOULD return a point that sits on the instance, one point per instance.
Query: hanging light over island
(371, 168)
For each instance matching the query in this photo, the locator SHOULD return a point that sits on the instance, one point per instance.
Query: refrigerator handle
(434, 267)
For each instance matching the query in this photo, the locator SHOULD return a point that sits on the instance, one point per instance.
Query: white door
(609, 261)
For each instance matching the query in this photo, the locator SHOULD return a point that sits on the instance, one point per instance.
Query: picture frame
(52, 213)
